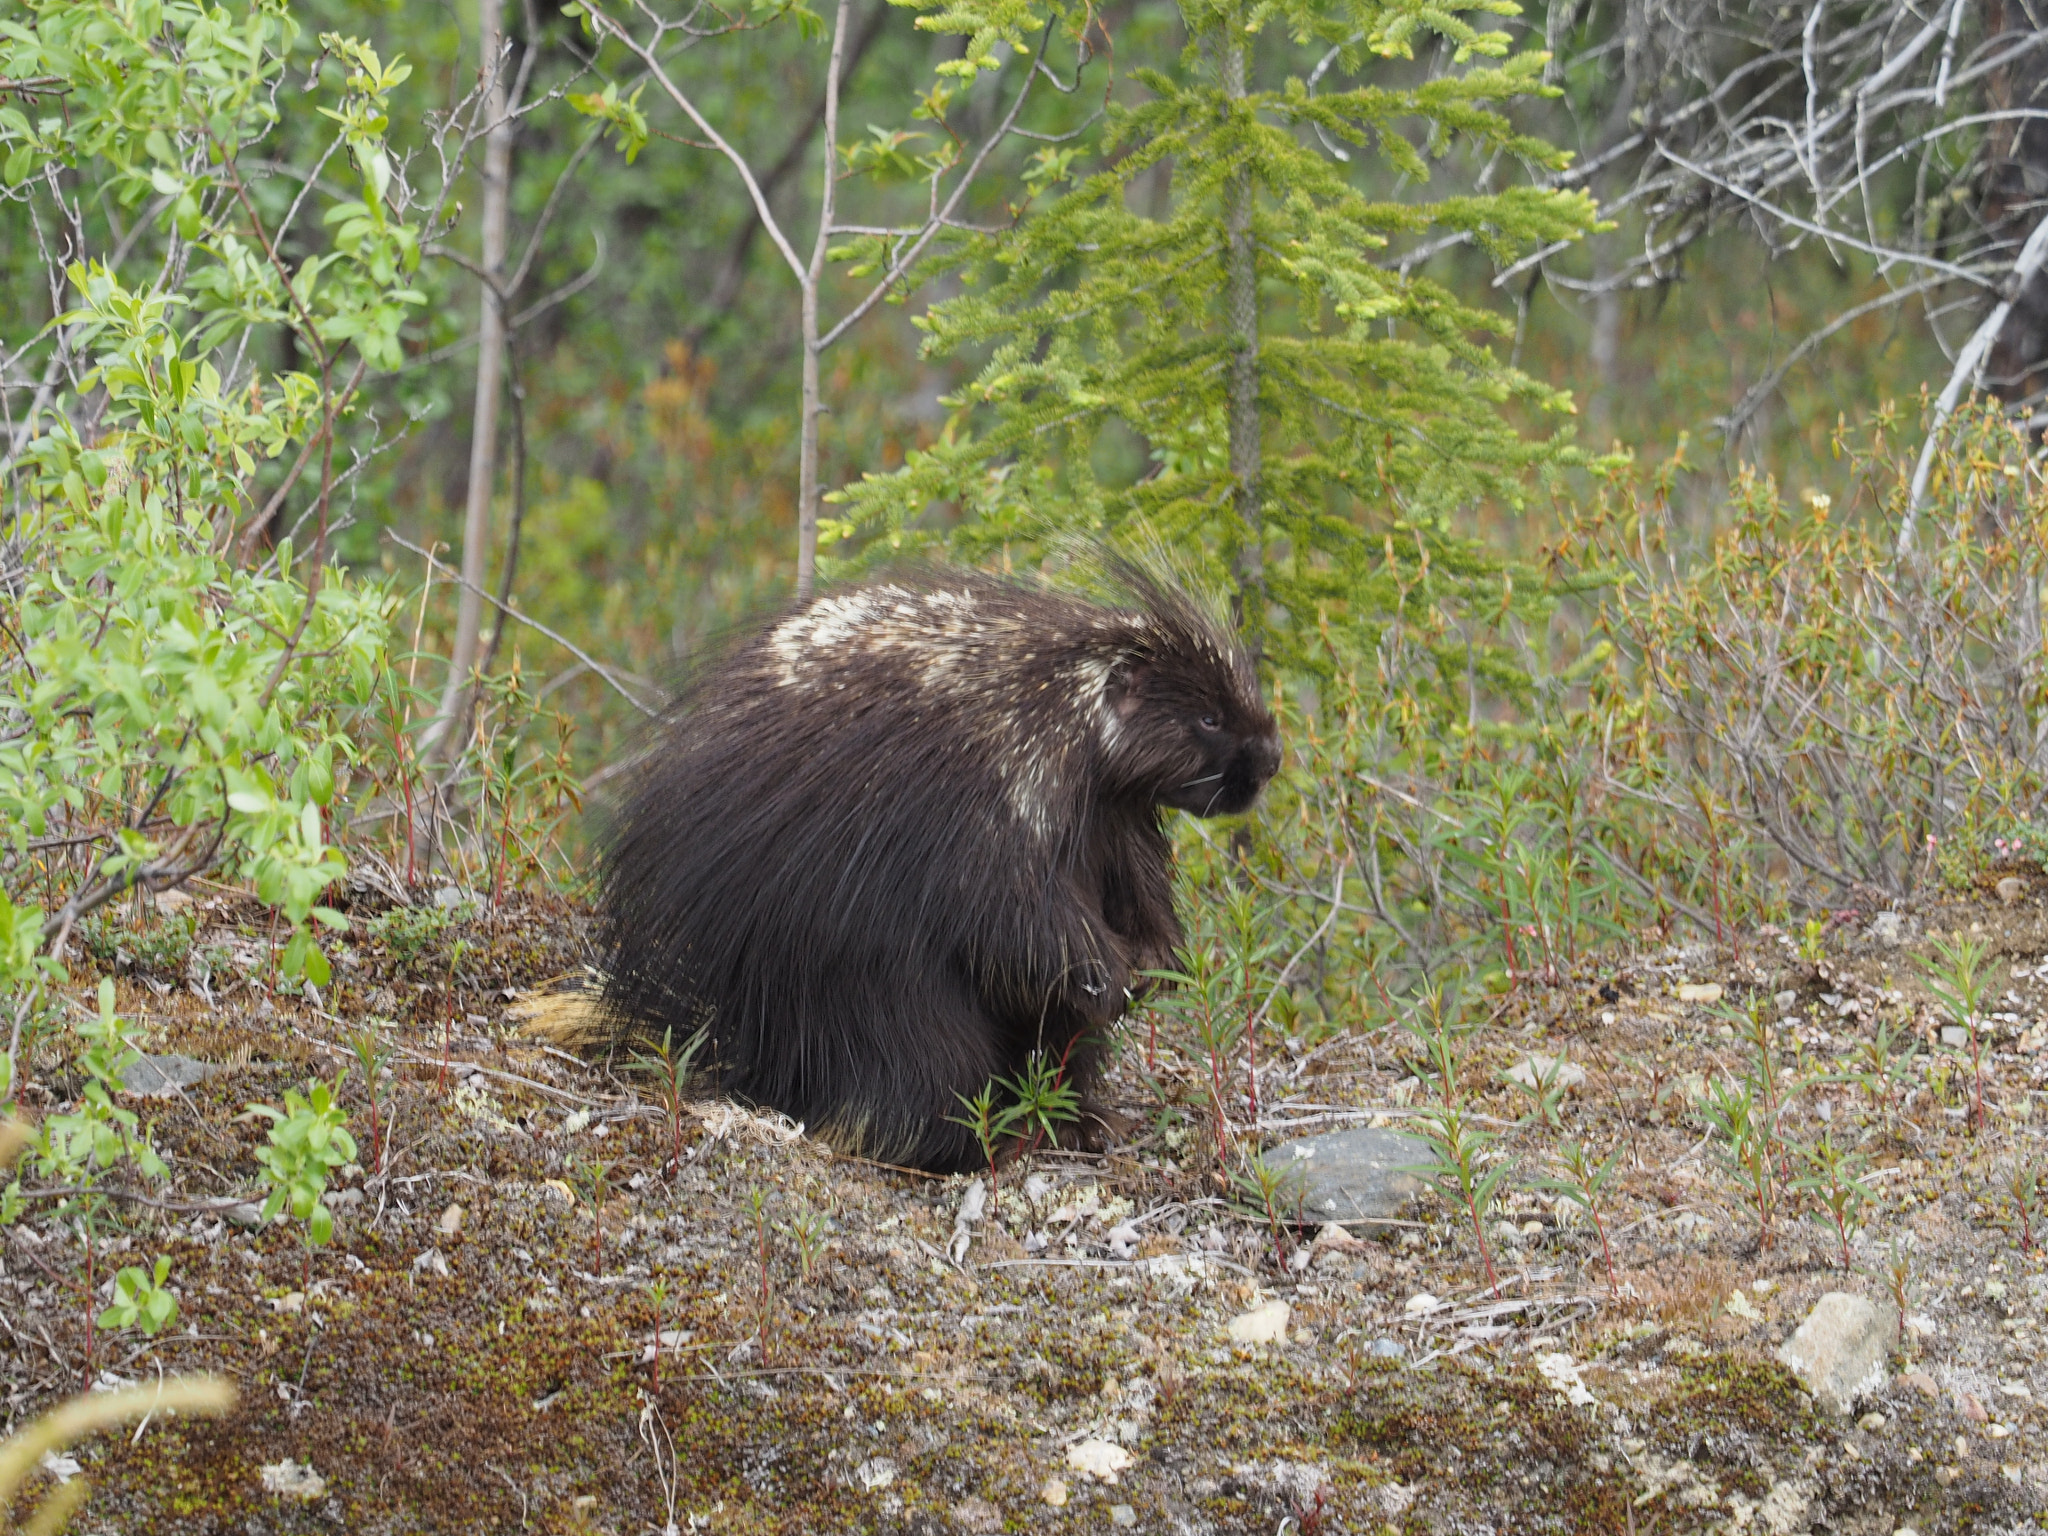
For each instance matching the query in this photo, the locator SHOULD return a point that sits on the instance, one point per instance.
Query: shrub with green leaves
(308, 1141)
(182, 665)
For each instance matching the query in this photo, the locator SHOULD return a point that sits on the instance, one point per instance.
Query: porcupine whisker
(1207, 778)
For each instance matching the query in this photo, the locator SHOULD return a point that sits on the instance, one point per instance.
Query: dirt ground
(842, 1348)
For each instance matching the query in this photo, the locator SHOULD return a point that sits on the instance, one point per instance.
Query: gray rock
(1839, 1352)
(160, 1077)
(1388, 1349)
(1955, 1036)
(247, 1214)
(1349, 1175)
(1888, 929)
(1787, 1001)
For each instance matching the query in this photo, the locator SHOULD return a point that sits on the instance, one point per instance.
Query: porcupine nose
(1265, 757)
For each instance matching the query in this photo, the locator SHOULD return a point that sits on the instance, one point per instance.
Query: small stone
(1839, 1352)
(1054, 1493)
(1786, 1001)
(1388, 1349)
(1421, 1304)
(1700, 992)
(2012, 890)
(247, 1214)
(1784, 1509)
(1103, 1460)
(163, 1077)
(449, 897)
(1920, 1382)
(1122, 1515)
(1888, 929)
(1537, 1068)
(1871, 1423)
(1741, 1306)
(875, 1474)
(451, 1221)
(1265, 1324)
(1966, 1404)
(1954, 1036)
(977, 1517)
(294, 1481)
(431, 1262)
(1358, 1175)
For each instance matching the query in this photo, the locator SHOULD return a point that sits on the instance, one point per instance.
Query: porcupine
(910, 832)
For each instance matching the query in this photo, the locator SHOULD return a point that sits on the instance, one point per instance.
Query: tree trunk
(2016, 177)
(814, 278)
(1241, 295)
(445, 737)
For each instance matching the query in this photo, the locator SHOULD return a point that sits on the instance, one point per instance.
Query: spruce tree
(1313, 413)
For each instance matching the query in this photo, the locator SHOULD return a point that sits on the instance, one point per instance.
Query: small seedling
(593, 1183)
(2023, 1187)
(757, 1201)
(658, 1294)
(1898, 1276)
(455, 954)
(1260, 1184)
(1831, 1179)
(373, 1060)
(1813, 941)
(1545, 1094)
(809, 1232)
(1457, 1171)
(141, 1300)
(1747, 1148)
(989, 1126)
(670, 1064)
(1957, 978)
(1205, 996)
(308, 1141)
(1437, 1022)
(1585, 1185)
(1878, 1065)
(1042, 1100)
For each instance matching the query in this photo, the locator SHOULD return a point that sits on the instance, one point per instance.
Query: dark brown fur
(910, 833)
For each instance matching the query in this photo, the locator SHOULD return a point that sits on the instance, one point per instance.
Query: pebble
(1054, 1493)
(1967, 1405)
(162, 1077)
(1265, 1324)
(1920, 1382)
(1839, 1352)
(1700, 992)
(1103, 1460)
(294, 1480)
(1871, 1423)
(451, 1221)
(875, 1474)
(1388, 1349)
(1122, 1515)
(1349, 1175)
(2012, 890)
(1888, 929)
(977, 1517)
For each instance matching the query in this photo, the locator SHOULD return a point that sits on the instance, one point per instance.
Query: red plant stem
(504, 851)
(1976, 1076)
(400, 749)
(1606, 1253)
(761, 1227)
(90, 1290)
(1486, 1257)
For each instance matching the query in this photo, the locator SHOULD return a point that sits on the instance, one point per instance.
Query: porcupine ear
(1125, 689)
